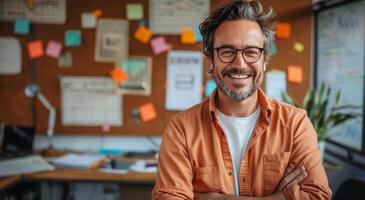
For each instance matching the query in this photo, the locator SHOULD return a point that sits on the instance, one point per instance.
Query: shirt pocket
(206, 179)
(274, 169)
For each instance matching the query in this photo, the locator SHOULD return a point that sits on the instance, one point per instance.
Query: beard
(236, 96)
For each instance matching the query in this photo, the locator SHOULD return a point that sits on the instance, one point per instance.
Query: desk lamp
(32, 90)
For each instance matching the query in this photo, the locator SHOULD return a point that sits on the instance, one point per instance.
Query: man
(239, 144)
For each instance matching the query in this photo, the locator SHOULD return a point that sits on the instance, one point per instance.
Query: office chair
(351, 189)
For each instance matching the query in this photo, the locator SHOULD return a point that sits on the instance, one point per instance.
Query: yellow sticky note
(35, 49)
(283, 30)
(187, 36)
(295, 74)
(134, 11)
(143, 34)
(98, 13)
(298, 47)
(147, 112)
(119, 75)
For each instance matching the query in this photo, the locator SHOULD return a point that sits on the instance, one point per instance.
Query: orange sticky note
(35, 49)
(295, 74)
(187, 36)
(283, 30)
(119, 75)
(147, 112)
(143, 34)
(98, 13)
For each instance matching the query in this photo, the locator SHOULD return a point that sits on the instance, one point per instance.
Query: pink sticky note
(106, 128)
(54, 49)
(159, 45)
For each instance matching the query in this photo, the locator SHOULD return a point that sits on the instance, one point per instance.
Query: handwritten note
(143, 34)
(295, 74)
(159, 45)
(283, 30)
(147, 112)
(53, 49)
(73, 38)
(210, 85)
(88, 20)
(187, 36)
(35, 49)
(22, 26)
(134, 11)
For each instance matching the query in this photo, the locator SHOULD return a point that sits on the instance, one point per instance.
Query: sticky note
(21, 26)
(298, 47)
(273, 49)
(283, 30)
(53, 49)
(72, 38)
(143, 34)
(159, 45)
(106, 128)
(98, 13)
(35, 49)
(143, 23)
(65, 60)
(88, 20)
(134, 11)
(187, 36)
(197, 34)
(295, 74)
(133, 67)
(119, 75)
(147, 112)
(210, 85)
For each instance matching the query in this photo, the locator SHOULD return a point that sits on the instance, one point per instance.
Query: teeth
(239, 76)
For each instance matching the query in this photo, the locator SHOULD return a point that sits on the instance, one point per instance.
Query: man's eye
(251, 53)
(227, 52)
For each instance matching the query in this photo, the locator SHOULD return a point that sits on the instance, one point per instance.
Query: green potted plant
(322, 116)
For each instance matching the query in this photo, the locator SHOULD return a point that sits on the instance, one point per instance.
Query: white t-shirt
(238, 131)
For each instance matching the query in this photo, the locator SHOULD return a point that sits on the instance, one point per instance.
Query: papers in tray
(27, 164)
(78, 161)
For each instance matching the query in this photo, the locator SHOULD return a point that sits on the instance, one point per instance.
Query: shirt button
(230, 173)
(244, 179)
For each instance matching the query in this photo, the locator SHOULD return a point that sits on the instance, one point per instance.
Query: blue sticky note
(197, 34)
(210, 85)
(134, 66)
(72, 38)
(21, 26)
(273, 50)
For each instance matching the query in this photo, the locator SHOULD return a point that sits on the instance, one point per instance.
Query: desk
(133, 185)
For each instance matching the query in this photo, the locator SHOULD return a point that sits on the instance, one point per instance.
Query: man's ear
(264, 66)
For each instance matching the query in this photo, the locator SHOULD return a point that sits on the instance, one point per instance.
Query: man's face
(238, 79)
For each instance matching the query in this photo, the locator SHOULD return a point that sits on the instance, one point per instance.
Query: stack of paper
(78, 160)
(27, 164)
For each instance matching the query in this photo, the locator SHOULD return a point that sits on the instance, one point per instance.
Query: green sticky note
(72, 38)
(65, 60)
(273, 50)
(298, 47)
(133, 66)
(134, 11)
(197, 34)
(21, 26)
(210, 85)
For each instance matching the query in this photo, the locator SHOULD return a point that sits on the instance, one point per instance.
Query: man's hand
(292, 176)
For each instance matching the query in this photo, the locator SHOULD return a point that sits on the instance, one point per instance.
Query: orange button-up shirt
(195, 157)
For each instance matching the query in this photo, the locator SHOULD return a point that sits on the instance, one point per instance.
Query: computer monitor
(16, 141)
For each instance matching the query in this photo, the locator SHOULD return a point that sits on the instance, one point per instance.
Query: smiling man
(239, 144)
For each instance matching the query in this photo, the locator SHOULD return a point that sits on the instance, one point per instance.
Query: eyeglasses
(228, 54)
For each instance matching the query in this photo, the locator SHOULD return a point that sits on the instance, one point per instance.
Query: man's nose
(239, 61)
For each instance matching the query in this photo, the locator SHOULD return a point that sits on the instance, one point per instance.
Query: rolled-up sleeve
(174, 176)
(306, 152)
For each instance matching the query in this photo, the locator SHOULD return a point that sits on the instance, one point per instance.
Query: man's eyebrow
(233, 47)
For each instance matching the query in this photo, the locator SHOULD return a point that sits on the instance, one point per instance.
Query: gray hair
(238, 9)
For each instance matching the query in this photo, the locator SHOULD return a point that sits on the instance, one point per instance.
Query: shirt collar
(266, 108)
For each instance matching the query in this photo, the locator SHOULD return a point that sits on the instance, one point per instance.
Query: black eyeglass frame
(242, 53)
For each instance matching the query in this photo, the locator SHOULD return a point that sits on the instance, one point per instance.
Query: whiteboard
(340, 63)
